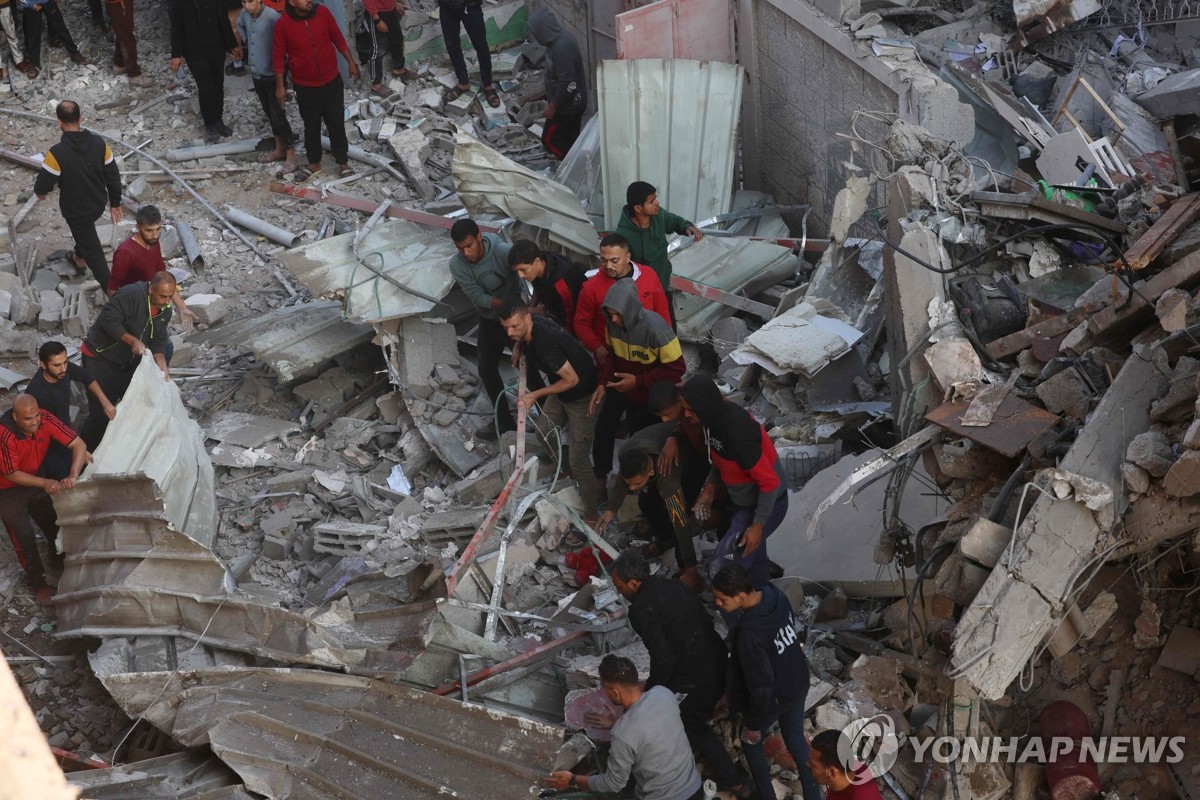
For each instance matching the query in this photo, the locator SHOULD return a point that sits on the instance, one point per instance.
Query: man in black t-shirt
(564, 361)
(51, 387)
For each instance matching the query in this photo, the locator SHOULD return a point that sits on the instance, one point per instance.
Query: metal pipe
(159, 163)
(262, 227)
(376, 160)
(212, 150)
(187, 240)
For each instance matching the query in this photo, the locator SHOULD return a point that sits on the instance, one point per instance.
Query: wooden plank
(1048, 328)
(1182, 213)
(1114, 322)
(368, 206)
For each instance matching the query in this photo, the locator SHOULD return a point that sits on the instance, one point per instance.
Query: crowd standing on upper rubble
(599, 344)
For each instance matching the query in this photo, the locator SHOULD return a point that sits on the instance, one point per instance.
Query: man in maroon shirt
(306, 38)
(140, 256)
(25, 435)
(826, 765)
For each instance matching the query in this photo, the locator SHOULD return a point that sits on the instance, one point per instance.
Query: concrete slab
(246, 430)
(841, 552)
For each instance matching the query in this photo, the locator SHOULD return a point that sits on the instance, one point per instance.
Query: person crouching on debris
(829, 769)
(82, 166)
(256, 27)
(556, 281)
(566, 82)
(201, 35)
(132, 322)
(306, 41)
(687, 656)
(559, 356)
(480, 268)
(744, 461)
(768, 675)
(648, 742)
(139, 257)
(26, 432)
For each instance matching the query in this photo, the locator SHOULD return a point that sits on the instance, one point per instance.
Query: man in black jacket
(566, 82)
(556, 281)
(83, 167)
(134, 320)
(768, 674)
(686, 655)
(201, 35)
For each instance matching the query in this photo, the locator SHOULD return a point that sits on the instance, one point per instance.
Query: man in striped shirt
(25, 496)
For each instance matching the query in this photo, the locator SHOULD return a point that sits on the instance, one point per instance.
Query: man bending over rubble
(744, 461)
(25, 434)
(561, 358)
(648, 742)
(132, 322)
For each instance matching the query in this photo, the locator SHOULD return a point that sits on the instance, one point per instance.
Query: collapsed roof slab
(293, 340)
(316, 734)
(180, 776)
(1059, 541)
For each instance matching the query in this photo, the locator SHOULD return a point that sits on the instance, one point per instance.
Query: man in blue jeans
(454, 16)
(768, 673)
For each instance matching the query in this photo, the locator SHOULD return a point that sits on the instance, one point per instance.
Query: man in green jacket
(645, 223)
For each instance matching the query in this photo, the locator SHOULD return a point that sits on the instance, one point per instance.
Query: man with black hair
(645, 223)
(686, 446)
(480, 268)
(556, 281)
(686, 654)
(828, 769)
(133, 322)
(663, 497)
(82, 166)
(201, 35)
(51, 387)
(615, 265)
(648, 742)
(745, 463)
(25, 434)
(768, 674)
(561, 358)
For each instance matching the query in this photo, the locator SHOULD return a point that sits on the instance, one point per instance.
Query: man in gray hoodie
(566, 82)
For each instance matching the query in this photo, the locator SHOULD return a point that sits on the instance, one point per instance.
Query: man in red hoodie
(306, 37)
(615, 264)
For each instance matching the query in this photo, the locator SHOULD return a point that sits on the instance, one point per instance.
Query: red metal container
(1069, 775)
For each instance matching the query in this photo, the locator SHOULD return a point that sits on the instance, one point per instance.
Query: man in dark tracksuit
(664, 497)
(768, 674)
(744, 461)
(566, 82)
(686, 654)
(556, 281)
(201, 35)
(132, 322)
(83, 167)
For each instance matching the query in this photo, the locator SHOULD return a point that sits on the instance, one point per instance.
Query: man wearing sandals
(306, 38)
(566, 83)
(256, 27)
(83, 167)
(381, 23)
(455, 15)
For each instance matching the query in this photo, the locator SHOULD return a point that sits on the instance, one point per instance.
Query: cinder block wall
(804, 92)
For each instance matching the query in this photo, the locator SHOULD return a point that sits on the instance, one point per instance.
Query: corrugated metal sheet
(315, 734)
(672, 123)
(414, 256)
(699, 29)
(179, 775)
(739, 266)
(294, 339)
(491, 183)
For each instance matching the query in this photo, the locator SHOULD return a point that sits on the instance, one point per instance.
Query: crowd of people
(601, 350)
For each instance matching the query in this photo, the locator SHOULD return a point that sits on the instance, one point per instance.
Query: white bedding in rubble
(802, 339)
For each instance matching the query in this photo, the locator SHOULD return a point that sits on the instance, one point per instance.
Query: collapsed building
(951, 262)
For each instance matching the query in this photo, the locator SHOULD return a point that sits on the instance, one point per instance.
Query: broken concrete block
(446, 374)
(1191, 438)
(208, 308)
(76, 315)
(1152, 452)
(276, 548)
(1183, 478)
(985, 542)
(482, 486)
(18, 343)
(1182, 651)
(5, 303)
(9, 282)
(289, 481)
(46, 280)
(1181, 395)
(461, 105)
(1172, 309)
(834, 605)
(1066, 393)
(882, 681)
(1137, 480)
(346, 538)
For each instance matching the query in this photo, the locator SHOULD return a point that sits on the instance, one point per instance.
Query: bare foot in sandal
(272, 157)
(450, 95)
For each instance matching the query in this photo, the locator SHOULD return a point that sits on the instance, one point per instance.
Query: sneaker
(141, 80)
(231, 69)
(31, 70)
(223, 129)
(382, 92)
(79, 59)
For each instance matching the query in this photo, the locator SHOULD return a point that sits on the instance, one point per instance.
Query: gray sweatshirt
(648, 741)
(258, 35)
(487, 278)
